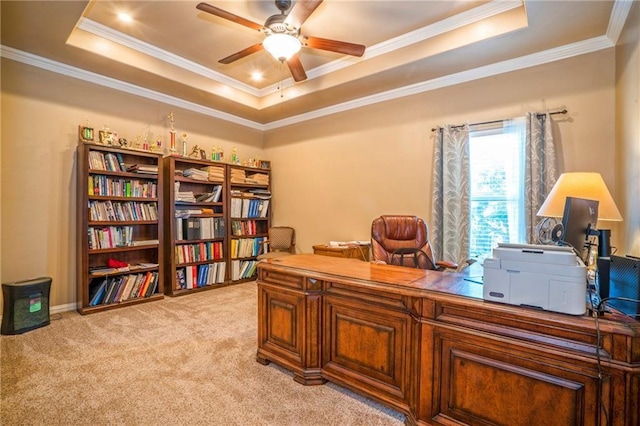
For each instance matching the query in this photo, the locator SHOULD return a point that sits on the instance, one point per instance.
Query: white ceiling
(170, 51)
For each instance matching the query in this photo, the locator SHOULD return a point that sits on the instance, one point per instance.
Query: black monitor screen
(580, 217)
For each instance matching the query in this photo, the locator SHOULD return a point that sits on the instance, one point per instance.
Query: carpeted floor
(180, 361)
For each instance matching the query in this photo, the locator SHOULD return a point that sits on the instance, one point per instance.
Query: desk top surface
(391, 275)
(409, 281)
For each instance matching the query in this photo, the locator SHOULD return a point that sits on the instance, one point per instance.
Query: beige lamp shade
(580, 185)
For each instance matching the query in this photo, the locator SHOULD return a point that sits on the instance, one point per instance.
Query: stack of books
(149, 169)
(237, 176)
(216, 173)
(196, 174)
(258, 178)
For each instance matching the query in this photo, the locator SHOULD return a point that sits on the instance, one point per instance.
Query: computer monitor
(579, 223)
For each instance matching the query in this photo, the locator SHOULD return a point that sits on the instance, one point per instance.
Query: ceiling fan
(283, 38)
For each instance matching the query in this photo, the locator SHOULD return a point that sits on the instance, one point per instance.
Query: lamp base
(604, 242)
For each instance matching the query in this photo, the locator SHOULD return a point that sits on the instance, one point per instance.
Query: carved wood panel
(281, 328)
(368, 346)
(484, 385)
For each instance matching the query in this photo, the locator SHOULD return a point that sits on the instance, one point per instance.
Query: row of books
(246, 247)
(121, 288)
(122, 211)
(187, 253)
(103, 185)
(199, 228)
(196, 276)
(248, 227)
(110, 237)
(109, 161)
(249, 207)
(241, 269)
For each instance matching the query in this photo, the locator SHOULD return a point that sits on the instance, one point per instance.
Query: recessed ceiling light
(125, 17)
(256, 76)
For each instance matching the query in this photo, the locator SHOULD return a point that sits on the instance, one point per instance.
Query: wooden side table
(350, 251)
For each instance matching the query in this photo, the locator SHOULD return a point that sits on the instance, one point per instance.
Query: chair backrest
(282, 238)
(401, 240)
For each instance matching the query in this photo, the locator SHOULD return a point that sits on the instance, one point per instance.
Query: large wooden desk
(426, 344)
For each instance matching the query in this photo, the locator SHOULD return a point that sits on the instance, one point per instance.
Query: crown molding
(618, 17)
(539, 58)
(150, 50)
(112, 83)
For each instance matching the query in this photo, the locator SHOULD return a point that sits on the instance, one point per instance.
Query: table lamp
(583, 185)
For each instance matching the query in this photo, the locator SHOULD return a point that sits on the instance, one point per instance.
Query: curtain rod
(539, 114)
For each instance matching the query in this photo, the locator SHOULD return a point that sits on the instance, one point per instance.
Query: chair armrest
(443, 264)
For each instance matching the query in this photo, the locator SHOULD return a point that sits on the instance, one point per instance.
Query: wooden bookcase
(196, 236)
(119, 217)
(249, 219)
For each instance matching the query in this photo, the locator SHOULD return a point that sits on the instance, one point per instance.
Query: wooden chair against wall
(280, 242)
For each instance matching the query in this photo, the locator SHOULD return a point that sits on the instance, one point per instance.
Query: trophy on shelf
(157, 145)
(86, 133)
(184, 144)
(172, 135)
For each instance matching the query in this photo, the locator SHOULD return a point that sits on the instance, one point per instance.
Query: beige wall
(331, 175)
(41, 112)
(334, 175)
(628, 128)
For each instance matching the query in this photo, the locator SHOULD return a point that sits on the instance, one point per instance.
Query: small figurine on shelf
(195, 152)
(214, 154)
(123, 142)
(184, 144)
(115, 140)
(234, 156)
(145, 143)
(157, 147)
(138, 142)
(154, 146)
(104, 136)
(172, 134)
(220, 154)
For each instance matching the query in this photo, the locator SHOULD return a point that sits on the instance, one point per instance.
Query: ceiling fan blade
(229, 16)
(301, 11)
(334, 46)
(241, 54)
(296, 68)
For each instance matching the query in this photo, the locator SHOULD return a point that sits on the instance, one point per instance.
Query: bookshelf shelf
(249, 196)
(94, 309)
(121, 249)
(196, 240)
(123, 174)
(102, 168)
(122, 222)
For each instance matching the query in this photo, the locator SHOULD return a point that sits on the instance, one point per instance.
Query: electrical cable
(603, 408)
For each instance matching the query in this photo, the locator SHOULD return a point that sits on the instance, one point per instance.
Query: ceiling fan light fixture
(282, 46)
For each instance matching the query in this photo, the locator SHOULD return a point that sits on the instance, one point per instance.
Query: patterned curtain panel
(449, 227)
(541, 168)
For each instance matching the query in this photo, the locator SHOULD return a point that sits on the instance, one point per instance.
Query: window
(496, 158)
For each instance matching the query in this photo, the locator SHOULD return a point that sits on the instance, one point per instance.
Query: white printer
(546, 277)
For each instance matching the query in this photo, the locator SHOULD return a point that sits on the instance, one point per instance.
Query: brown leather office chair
(281, 242)
(403, 240)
